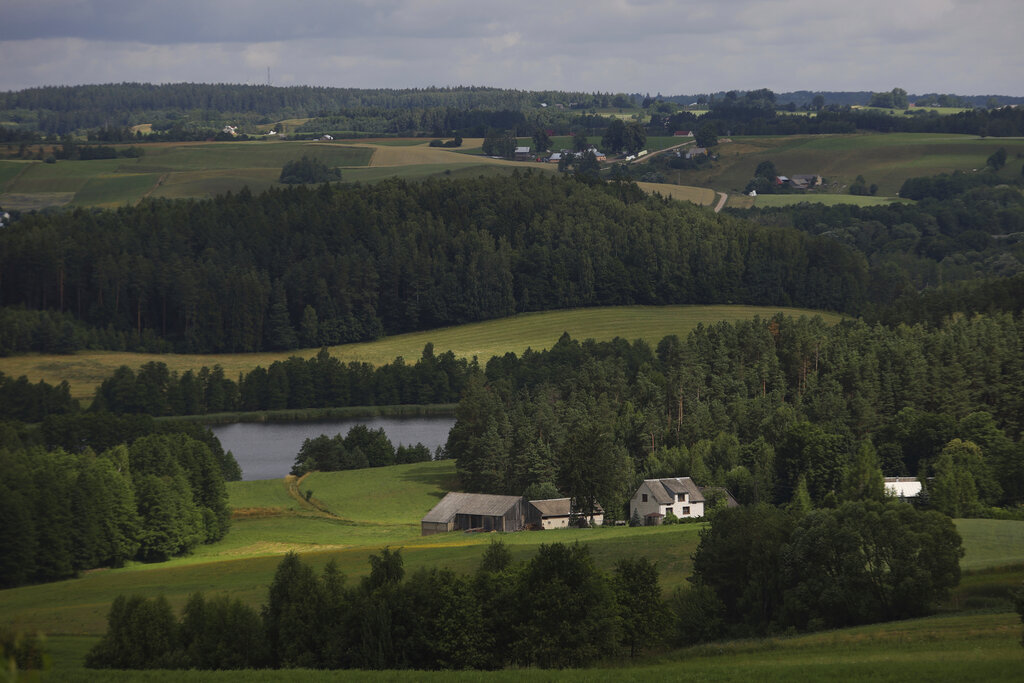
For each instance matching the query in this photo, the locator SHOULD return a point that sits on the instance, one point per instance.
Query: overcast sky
(968, 47)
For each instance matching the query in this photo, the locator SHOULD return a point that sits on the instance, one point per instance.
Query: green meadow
(774, 200)
(172, 170)
(353, 514)
(85, 370)
(883, 159)
(205, 169)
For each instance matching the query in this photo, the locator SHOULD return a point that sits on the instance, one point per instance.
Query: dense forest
(320, 266)
(964, 226)
(776, 410)
(318, 382)
(756, 112)
(183, 111)
(66, 109)
(65, 511)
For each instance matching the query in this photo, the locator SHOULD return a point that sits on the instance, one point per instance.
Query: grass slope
(991, 542)
(973, 647)
(382, 507)
(771, 200)
(886, 160)
(85, 370)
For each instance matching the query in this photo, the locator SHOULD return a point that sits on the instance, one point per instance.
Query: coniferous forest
(329, 265)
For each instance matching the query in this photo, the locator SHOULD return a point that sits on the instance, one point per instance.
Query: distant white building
(903, 487)
(655, 498)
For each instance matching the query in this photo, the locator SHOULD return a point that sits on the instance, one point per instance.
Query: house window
(643, 497)
(668, 510)
(686, 510)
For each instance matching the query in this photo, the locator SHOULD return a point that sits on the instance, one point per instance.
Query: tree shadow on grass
(444, 481)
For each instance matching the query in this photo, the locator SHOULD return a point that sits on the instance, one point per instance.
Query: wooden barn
(474, 512)
(558, 513)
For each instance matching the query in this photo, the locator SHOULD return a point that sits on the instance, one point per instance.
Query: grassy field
(175, 170)
(769, 200)
(86, 369)
(204, 169)
(383, 506)
(697, 195)
(990, 542)
(886, 160)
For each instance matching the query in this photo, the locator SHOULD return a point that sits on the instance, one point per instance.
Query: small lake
(267, 450)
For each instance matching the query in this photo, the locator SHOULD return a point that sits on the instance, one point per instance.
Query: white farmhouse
(655, 498)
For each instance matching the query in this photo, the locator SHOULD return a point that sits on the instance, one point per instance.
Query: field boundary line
(292, 483)
(157, 184)
(23, 171)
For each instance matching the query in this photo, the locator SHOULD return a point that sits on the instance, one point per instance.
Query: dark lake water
(267, 450)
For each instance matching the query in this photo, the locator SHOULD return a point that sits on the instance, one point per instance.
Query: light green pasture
(85, 370)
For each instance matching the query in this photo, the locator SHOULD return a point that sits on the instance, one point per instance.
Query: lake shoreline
(267, 449)
(321, 414)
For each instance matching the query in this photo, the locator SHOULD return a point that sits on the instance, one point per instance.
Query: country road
(721, 201)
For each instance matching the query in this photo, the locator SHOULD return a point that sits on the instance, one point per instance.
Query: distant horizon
(640, 46)
(663, 95)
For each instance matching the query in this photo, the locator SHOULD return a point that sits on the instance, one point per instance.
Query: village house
(558, 513)
(656, 498)
(903, 488)
(523, 154)
(474, 512)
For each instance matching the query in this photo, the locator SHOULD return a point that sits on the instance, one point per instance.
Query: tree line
(322, 266)
(321, 381)
(26, 402)
(772, 409)
(66, 511)
(64, 109)
(360, 447)
(755, 112)
(555, 610)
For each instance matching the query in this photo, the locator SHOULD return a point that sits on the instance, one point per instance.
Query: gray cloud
(622, 45)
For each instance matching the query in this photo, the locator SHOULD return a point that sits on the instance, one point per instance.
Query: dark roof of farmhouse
(470, 504)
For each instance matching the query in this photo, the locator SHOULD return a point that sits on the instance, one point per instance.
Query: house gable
(655, 498)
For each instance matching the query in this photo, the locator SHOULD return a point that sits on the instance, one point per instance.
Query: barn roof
(558, 507)
(470, 504)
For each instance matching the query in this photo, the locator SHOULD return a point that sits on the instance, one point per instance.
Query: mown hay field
(85, 370)
(698, 195)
